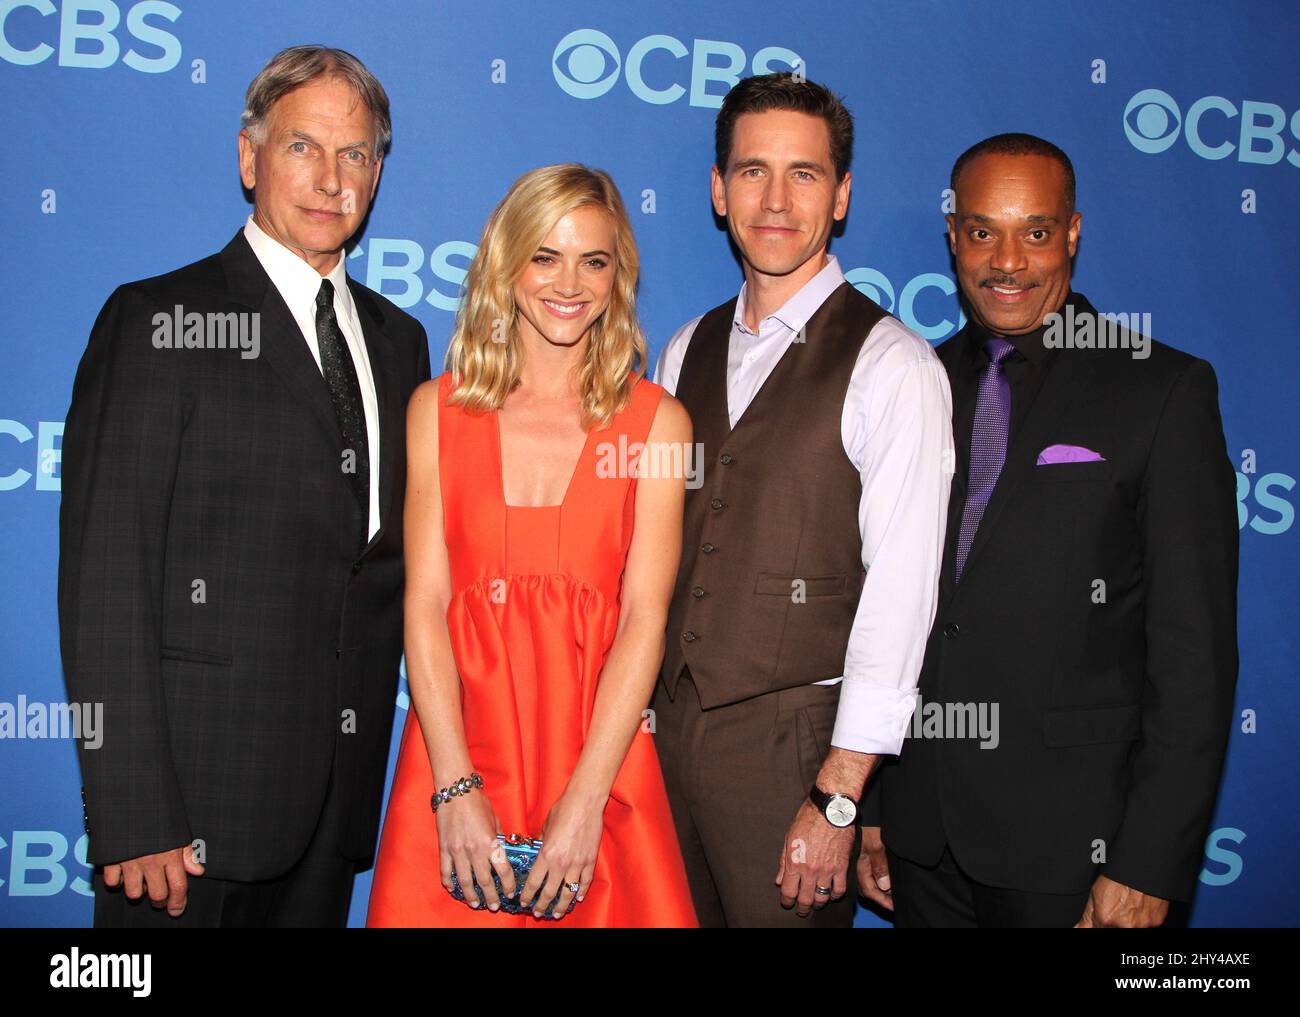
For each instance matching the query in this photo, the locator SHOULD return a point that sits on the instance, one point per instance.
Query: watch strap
(821, 798)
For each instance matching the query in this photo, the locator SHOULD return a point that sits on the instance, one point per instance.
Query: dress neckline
(501, 472)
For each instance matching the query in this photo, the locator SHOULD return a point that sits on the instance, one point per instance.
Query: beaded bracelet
(460, 787)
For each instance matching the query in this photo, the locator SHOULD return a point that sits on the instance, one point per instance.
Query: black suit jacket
(1113, 715)
(213, 591)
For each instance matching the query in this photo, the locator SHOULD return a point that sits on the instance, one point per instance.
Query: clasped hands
(468, 846)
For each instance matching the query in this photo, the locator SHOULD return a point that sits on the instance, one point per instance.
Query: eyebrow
(808, 164)
(1036, 219)
(304, 136)
(585, 254)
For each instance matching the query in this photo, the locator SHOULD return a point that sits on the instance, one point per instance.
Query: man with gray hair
(230, 575)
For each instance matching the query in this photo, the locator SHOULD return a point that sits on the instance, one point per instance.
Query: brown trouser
(736, 775)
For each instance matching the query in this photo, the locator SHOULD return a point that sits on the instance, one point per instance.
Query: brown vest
(771, 567)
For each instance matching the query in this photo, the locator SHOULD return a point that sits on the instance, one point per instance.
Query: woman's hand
(468, 845)
(570, 842)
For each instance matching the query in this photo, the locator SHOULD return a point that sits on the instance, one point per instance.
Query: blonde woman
(539, 568)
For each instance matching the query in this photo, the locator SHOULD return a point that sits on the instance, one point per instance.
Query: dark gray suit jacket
(213, 591)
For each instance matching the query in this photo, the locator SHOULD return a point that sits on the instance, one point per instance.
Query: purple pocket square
(1068, 454)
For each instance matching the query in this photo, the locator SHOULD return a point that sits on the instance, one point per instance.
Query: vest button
(708, 548)
(727, 459)
(697, 592)
(952, 630)
(689, 637)
(715, 504)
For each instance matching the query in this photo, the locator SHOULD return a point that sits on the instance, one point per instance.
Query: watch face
(840, 811)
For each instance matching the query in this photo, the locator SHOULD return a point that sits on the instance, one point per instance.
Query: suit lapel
(288, 355)
(379, 351)
(282, 344)
(1066, 385)
(963, 397)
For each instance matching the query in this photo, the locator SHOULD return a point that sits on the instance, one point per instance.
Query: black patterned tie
(345, 394)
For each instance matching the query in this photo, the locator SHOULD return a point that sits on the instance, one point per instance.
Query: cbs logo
(393, 267)
(1153, 122)
(907, 307)
(47, 455)
(88, 42)
(587, 63)
(1280, 512)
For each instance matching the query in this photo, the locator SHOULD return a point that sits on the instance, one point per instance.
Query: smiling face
(779, 192)
(1013, 235)
(566, 286)
(315, 172)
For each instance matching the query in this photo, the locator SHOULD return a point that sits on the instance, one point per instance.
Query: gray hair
(297, 65)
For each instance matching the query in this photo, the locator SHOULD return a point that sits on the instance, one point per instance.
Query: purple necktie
(988, 444)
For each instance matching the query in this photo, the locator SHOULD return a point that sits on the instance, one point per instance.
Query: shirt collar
(796, 311)
(1030, 346)
(297, 281)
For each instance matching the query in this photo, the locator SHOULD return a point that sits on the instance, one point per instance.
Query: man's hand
(162, 875)
(815, 854)
(873, 869)
(1113, 905)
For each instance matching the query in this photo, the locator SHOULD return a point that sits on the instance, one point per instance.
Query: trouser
(315, 893)
(944, 896)
(736, 775)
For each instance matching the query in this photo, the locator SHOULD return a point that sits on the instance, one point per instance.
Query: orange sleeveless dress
(533, 613)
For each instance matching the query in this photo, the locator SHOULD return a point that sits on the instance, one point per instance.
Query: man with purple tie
(1087, 599)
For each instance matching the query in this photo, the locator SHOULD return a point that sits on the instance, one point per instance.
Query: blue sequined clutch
(521, 852)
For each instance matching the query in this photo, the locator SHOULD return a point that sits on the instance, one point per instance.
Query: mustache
(1002, 280)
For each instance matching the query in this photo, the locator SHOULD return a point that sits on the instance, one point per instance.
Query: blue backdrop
(1182, 119)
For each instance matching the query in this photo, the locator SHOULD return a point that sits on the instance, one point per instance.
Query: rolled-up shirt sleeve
(897, 430)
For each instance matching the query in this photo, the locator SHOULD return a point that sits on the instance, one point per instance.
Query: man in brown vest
(811, 552)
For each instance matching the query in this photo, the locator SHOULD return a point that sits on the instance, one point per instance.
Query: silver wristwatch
(839, 809)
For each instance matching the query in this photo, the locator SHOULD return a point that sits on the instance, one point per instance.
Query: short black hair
(783, 91)
(1016, 144)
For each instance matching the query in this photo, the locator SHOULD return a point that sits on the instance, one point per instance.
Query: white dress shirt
(897, 432)
(299, 284)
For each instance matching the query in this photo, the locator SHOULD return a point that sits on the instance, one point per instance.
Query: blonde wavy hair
(485, 369)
